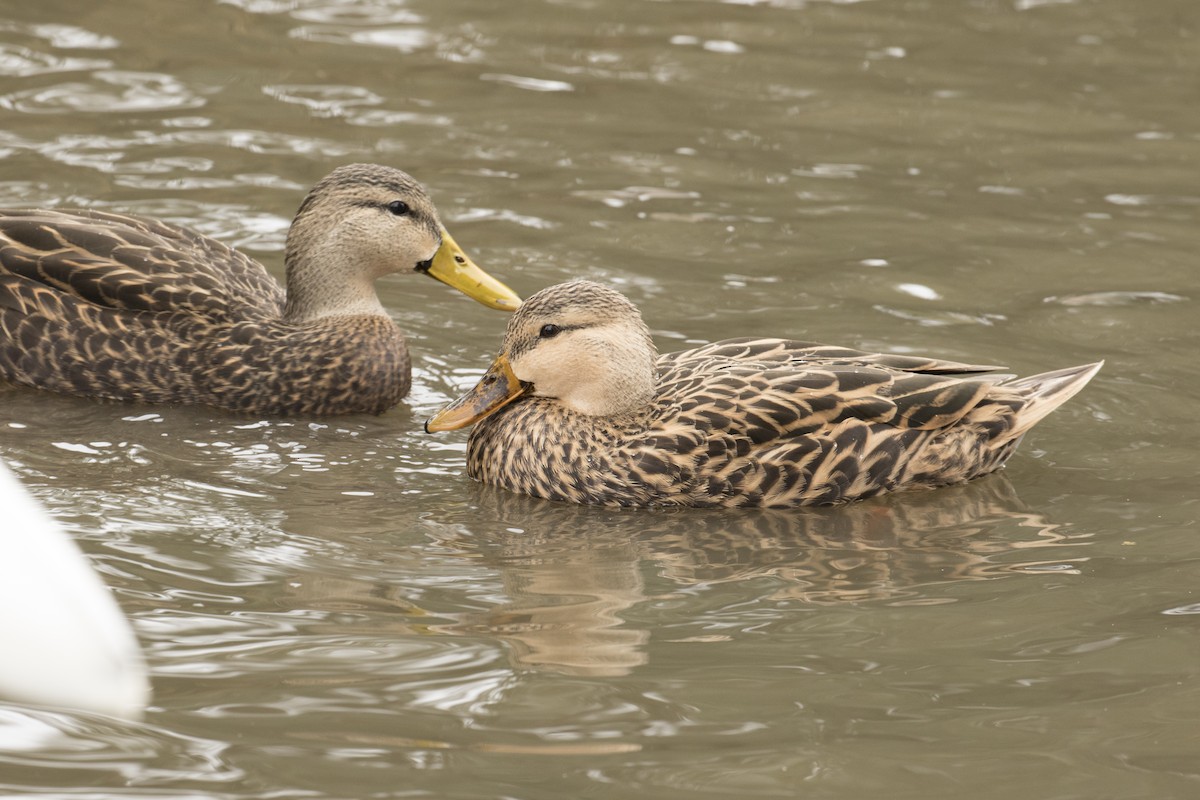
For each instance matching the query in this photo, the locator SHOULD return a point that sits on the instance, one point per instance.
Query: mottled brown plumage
(580, 407)
(117, 307)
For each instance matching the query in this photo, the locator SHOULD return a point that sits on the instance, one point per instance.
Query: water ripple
(97, 751)
(530, 84)
(405, 40)
(62, 36)
(271, 142)
(378, 117)
(22, 62)
(233, 224)
(505, 215)
(618, 198)
(1115, 299)
(358, 13)
(119, 154)
(109, 91)
(323, 100)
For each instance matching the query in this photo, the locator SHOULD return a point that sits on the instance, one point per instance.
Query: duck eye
(399, 208)
(549, 331)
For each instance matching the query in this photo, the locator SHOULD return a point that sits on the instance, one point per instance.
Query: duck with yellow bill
(579, 406)
(111, 306)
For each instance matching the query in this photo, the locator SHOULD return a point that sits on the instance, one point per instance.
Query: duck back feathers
(122, 308)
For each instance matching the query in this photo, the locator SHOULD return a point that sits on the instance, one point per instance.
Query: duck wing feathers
(781, 422)
(775, 388)
(129, 264)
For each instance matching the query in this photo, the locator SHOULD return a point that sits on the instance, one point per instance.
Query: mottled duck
(111, 306)
(579, 406)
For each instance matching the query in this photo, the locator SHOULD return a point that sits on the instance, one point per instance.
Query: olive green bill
(496, 389)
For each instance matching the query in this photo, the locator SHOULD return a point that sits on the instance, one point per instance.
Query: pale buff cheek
(602, 371)
(397, 250)
(569, 375)
(584, 377)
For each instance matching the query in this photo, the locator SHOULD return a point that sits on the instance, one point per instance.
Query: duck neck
(623, 394)
(318, 286)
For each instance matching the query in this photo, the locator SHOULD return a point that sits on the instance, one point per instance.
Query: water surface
(330, 609)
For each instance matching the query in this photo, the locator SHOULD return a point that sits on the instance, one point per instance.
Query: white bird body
(64, 642)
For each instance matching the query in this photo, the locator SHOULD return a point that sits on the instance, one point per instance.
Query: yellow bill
(496, 389)
(451, 266)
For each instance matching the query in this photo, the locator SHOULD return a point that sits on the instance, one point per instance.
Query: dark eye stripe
(528, 344)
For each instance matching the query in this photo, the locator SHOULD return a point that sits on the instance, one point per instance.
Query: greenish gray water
(331, 610)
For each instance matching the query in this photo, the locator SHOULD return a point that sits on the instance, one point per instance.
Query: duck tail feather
(1045, 392)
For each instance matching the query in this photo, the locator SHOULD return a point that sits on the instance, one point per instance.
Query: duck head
(579, 343)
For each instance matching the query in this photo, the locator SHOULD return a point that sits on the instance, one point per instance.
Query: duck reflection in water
(575, 574)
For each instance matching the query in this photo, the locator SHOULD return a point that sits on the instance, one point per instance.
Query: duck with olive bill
(117, 307)
(579, 406)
